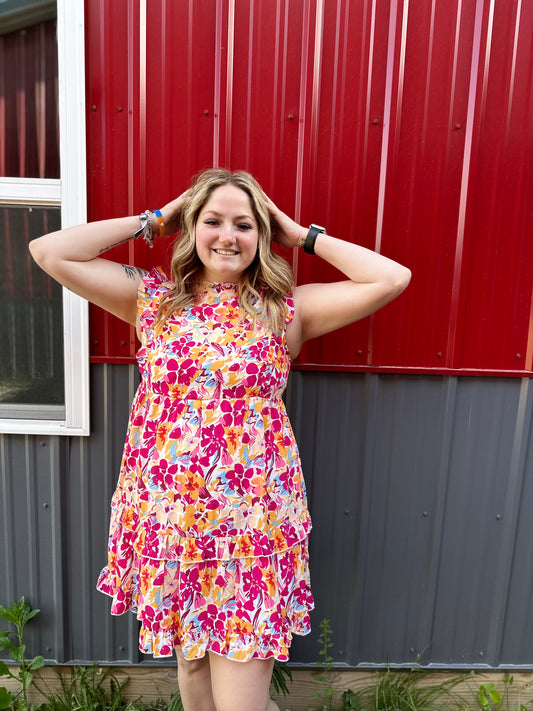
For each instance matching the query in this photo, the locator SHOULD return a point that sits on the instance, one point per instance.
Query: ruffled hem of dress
(174, 613)
(150, 542)
(162, 644)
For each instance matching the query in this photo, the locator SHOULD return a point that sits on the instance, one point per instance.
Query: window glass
(29, 139)
(31, 348)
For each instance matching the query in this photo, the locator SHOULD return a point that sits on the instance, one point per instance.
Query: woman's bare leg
(194, 680)
(241, 686)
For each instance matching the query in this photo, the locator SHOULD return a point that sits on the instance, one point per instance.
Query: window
(44, 382)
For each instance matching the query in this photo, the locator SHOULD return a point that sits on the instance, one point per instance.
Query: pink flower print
(151, 543)
(236, 479)
(162, 474)
(287, 567)
(226, 460)
(120, 603)
(191, 581)
(152, 619)
(187, 371)
(278, 622)
(302, 594)
(159, 578)
(212, 619)
(213, 439)
(252, 371)
(253, 583)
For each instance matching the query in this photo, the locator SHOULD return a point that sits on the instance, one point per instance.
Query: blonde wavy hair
(262, 286)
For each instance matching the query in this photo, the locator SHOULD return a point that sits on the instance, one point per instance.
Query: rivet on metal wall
(457, 127)
(206, 112)
(347, 512)
(45, 505)
(498, 517)
(122, 343)
(439, 354)
(482, 654)
(518, 356)
(359, 352)
(290, 117)
(425, 514)
(96, 343)
(43, 444)
(375, 121)
(93, 108)
(120, 109)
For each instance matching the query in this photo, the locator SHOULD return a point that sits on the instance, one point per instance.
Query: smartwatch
(309, 244)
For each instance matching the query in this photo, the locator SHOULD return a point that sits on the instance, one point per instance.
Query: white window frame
(70, 193)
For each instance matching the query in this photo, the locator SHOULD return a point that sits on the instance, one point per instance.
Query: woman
(208, 537)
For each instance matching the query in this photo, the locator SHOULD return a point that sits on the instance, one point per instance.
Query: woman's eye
(211, 222)
(245, 226)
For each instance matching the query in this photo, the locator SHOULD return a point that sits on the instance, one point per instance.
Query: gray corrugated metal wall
(420, 490)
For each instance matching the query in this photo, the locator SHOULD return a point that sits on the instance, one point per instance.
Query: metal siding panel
(518, 620)
(405, 121)
(343, 184)
(319, 404)
(423, 181)
(31, 556)
(492, 331)
(435, 470)
(94, 468)
(112, 110)
(420, 493)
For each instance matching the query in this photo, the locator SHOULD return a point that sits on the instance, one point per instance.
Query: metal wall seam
(510, 516)
(467, 156)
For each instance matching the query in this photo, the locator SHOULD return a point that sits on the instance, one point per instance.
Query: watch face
(318, 227)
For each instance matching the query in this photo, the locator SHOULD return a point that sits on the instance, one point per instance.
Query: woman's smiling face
(226, 235)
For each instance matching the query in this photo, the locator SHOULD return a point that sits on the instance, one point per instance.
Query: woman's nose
(227, 232)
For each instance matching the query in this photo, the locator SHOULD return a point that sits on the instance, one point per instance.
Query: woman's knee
(192, 667)
(241, 686)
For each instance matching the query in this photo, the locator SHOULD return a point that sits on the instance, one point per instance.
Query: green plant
(490, 698)
(280, 675)
(402, 691)
(326, 664)
(89, 689)
(19, 614)
(351, 701)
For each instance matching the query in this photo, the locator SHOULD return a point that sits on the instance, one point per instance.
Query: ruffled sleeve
(151, 289)
(289, 309)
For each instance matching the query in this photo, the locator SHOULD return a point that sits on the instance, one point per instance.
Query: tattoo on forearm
(132, 272)
(116, 244)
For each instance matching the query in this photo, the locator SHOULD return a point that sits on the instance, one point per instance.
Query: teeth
(224, 251)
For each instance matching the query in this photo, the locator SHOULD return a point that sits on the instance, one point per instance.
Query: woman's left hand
(171, 213)
(285, 232)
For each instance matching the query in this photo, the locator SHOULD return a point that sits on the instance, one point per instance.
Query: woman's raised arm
(373, 281)
(73, 258)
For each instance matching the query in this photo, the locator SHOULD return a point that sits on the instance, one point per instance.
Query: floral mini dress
(209, 522)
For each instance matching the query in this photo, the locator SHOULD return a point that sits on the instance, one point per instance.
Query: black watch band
(309, 243)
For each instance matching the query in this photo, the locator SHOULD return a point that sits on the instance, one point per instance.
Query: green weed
(18, 614)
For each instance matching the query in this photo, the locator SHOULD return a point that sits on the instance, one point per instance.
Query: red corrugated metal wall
(404, 126)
